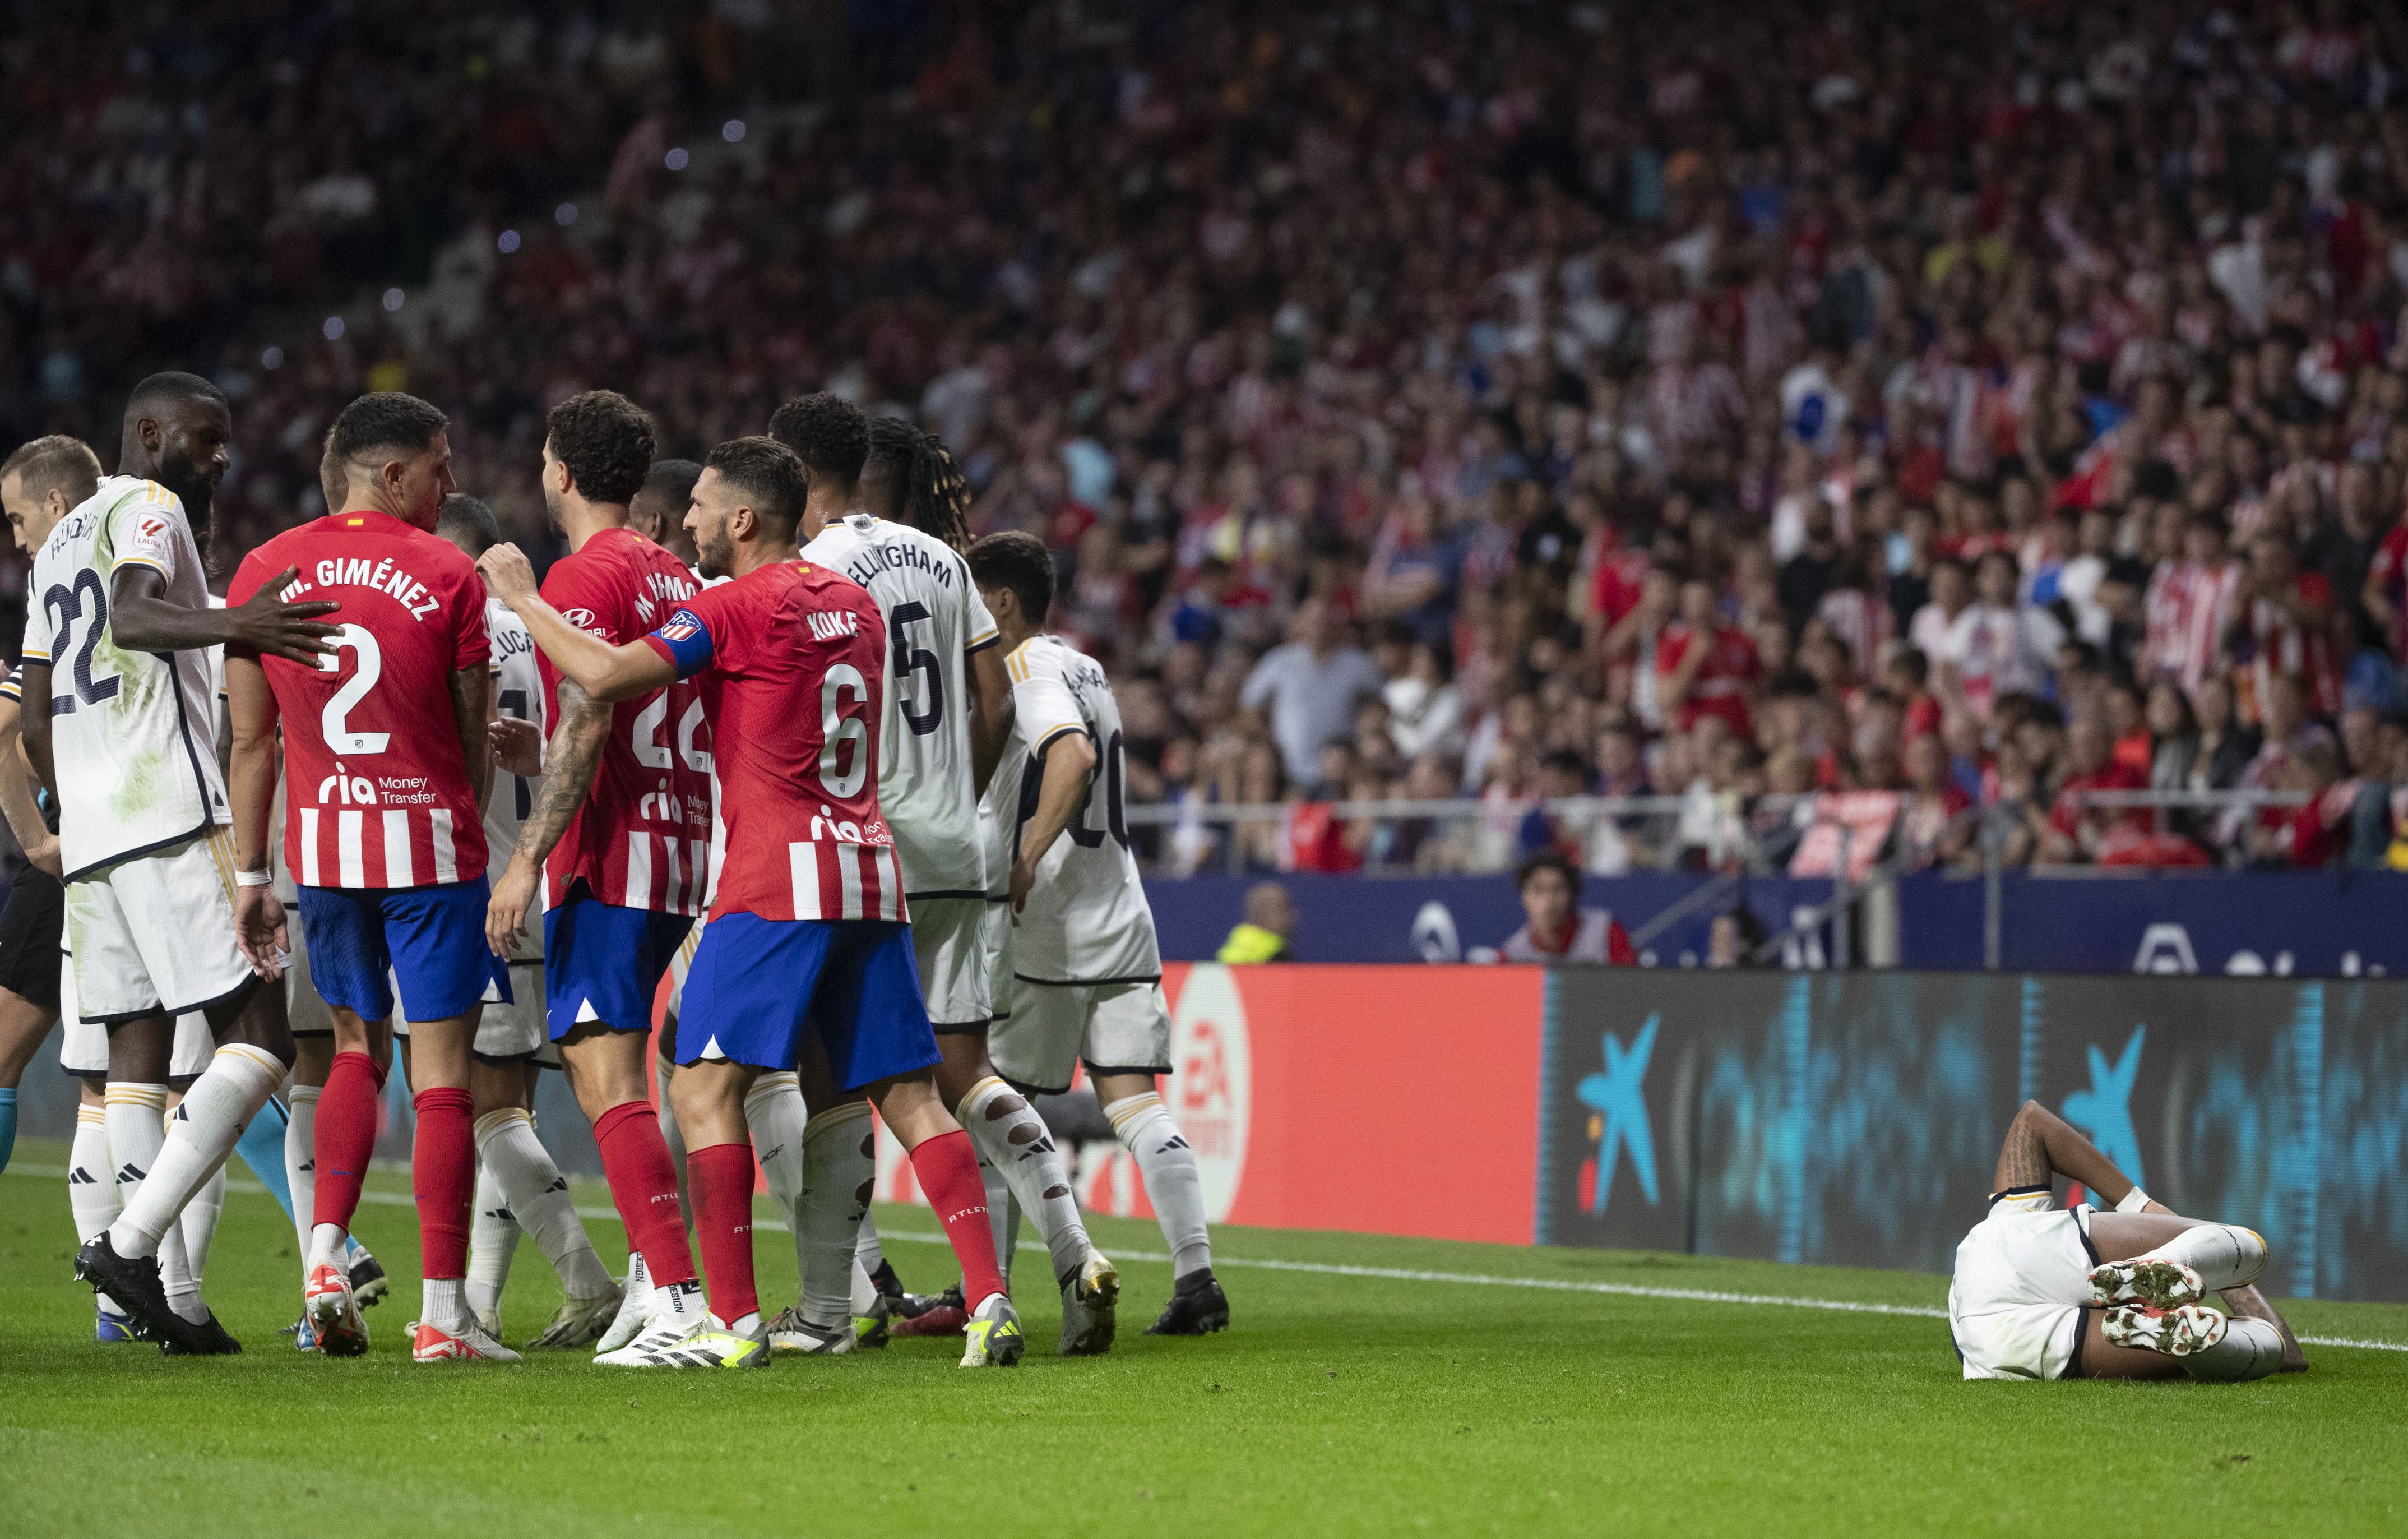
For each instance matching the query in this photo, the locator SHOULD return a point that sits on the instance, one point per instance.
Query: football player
(2041, 1292)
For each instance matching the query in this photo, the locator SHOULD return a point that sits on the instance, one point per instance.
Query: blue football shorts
(431, 939)
(604, 963)
(757, 985)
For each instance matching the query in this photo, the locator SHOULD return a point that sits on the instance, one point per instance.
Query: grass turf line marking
(1337, 1269)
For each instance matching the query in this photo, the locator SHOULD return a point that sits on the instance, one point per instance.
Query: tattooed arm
(567, 775)
(2040, 1143)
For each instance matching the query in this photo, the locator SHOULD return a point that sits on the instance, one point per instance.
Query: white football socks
(865, 1292)
(200, 1223)
(1019, 1144)
(536, 1195)
(92, 1183)
(214, 1112)
(840, 1168)
(443, 1304)
(773, 1111)
(2224, 1255)
(492, 1241)
(301, 1163)
(2251, 1349)
(1168, 1166)
(137, 1130)
(866, 1252)
(1002, 1216)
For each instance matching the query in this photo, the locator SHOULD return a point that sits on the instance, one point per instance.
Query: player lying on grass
(2046, 1294)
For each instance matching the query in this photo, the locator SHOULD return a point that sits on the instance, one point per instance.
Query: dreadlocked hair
(931, 493)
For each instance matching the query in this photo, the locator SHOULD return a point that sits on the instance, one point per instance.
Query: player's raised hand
(506, 915)
(259, 930)
(506, 573)
(273, 628)
(518, 746)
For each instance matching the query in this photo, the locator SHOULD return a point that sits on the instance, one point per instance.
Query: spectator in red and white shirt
(2189, 604)
(2283, 625)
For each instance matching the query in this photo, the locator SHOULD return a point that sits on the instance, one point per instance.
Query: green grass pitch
(1337, 1403)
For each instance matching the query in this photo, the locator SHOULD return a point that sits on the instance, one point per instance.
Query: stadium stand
(1983, 405)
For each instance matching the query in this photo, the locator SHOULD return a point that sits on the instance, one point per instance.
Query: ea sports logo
(1212, 1091)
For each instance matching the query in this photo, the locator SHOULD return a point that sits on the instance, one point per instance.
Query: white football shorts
(304, 1007)
(1113, 1026)
(949, 938)
(155, 933)
(83, 1045)
(995, 945)
(2015, 1305)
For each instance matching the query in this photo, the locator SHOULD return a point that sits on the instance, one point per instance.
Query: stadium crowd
(1983, 406)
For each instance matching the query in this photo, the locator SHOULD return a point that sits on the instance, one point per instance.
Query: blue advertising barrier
(2281, 923)
(2248, 923)
(1856, 1118)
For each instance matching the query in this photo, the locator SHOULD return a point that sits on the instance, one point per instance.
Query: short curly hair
(606, 440)
(828, 434)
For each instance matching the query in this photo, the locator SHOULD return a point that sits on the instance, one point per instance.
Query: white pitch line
(1334, 1269)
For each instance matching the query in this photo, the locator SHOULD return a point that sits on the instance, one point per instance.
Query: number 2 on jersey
(333, 722)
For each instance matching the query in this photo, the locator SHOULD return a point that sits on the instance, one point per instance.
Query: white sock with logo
(773, 1110)
(2224, 1255)
(137, 1130)
(92, 1183)
(1012, 1137)
(1002, 1215)
(1168, 1166)
(199, 1223)
(301, 1165)
(206, 1126)
(492, 1243)
(865, 1248)
(538, 1199)
(2251, 1349)
(840, 1168)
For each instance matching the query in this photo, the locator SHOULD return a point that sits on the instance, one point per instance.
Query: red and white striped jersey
(788, 659)
(377, 793)
(2189, 607)
(641, 839)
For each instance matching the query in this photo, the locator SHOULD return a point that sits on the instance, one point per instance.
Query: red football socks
(344, 1136)
(643, 1187)
(948, 1171)
(721, 1179)
(443, 1173)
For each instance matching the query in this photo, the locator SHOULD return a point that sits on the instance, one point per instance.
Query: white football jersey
(1087, 920)
(518, 692)
(133, 734)
(935, 619)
